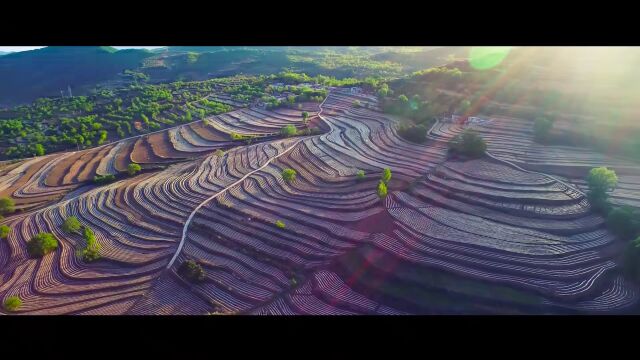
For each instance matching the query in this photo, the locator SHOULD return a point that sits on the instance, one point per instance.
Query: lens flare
(483, 58)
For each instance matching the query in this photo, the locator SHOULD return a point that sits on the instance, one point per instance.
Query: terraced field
(480, 236)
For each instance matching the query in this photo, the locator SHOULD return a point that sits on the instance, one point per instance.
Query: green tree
(71, 225)
(288, 131)
(305, 116)
(219, 153)
(42, 244)
(386, 175)
(469, 143)
(4, 231)
(91, 250)
(280, 224)
(357, 103)
(133, 169)
(289, 174)
(7, 205)
(360, 175)
(601, 181)
(12, 303)
(192, 271)
(382, 189)
(403, 98)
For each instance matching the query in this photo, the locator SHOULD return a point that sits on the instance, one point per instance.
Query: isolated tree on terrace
(288, 131)
(12, 303)
(191, 271)
(601, 181)
(288, 175)
(7, 205)
(133, 169)
(4, 231)
(382, 190)
(305, 116)
(42, 244)
(386, 175)
(71, 225)
(360, 175)
(280, 224)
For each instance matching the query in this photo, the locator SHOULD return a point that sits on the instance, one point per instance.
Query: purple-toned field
(491, 235)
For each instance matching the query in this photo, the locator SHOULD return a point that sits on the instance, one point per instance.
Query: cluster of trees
(91, 250)
(42, 244)
(469, 144)
(192, 271)
(214, 107)
(53, 124)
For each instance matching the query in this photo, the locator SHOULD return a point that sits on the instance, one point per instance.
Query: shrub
(288, 175)
(101, 180)
(357, 103)
(4, 231)
(91, 251)
(42, 244)
(601, 181)
(469, 143)
(305, 116)
(386, 175)
(191, 271)
(288, 131)
(624, 222)
(219, 153)
(133, 169)
(280, 224)
(12, 303)
(412, 132)
(71, 225)
(360, 175)
(382, 189)
(7, 205)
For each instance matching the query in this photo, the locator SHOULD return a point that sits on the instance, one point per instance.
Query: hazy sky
(25, 48)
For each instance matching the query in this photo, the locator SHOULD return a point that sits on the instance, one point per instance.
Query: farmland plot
(474, 236)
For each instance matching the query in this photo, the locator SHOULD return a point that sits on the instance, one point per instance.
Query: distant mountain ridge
(27, 75)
